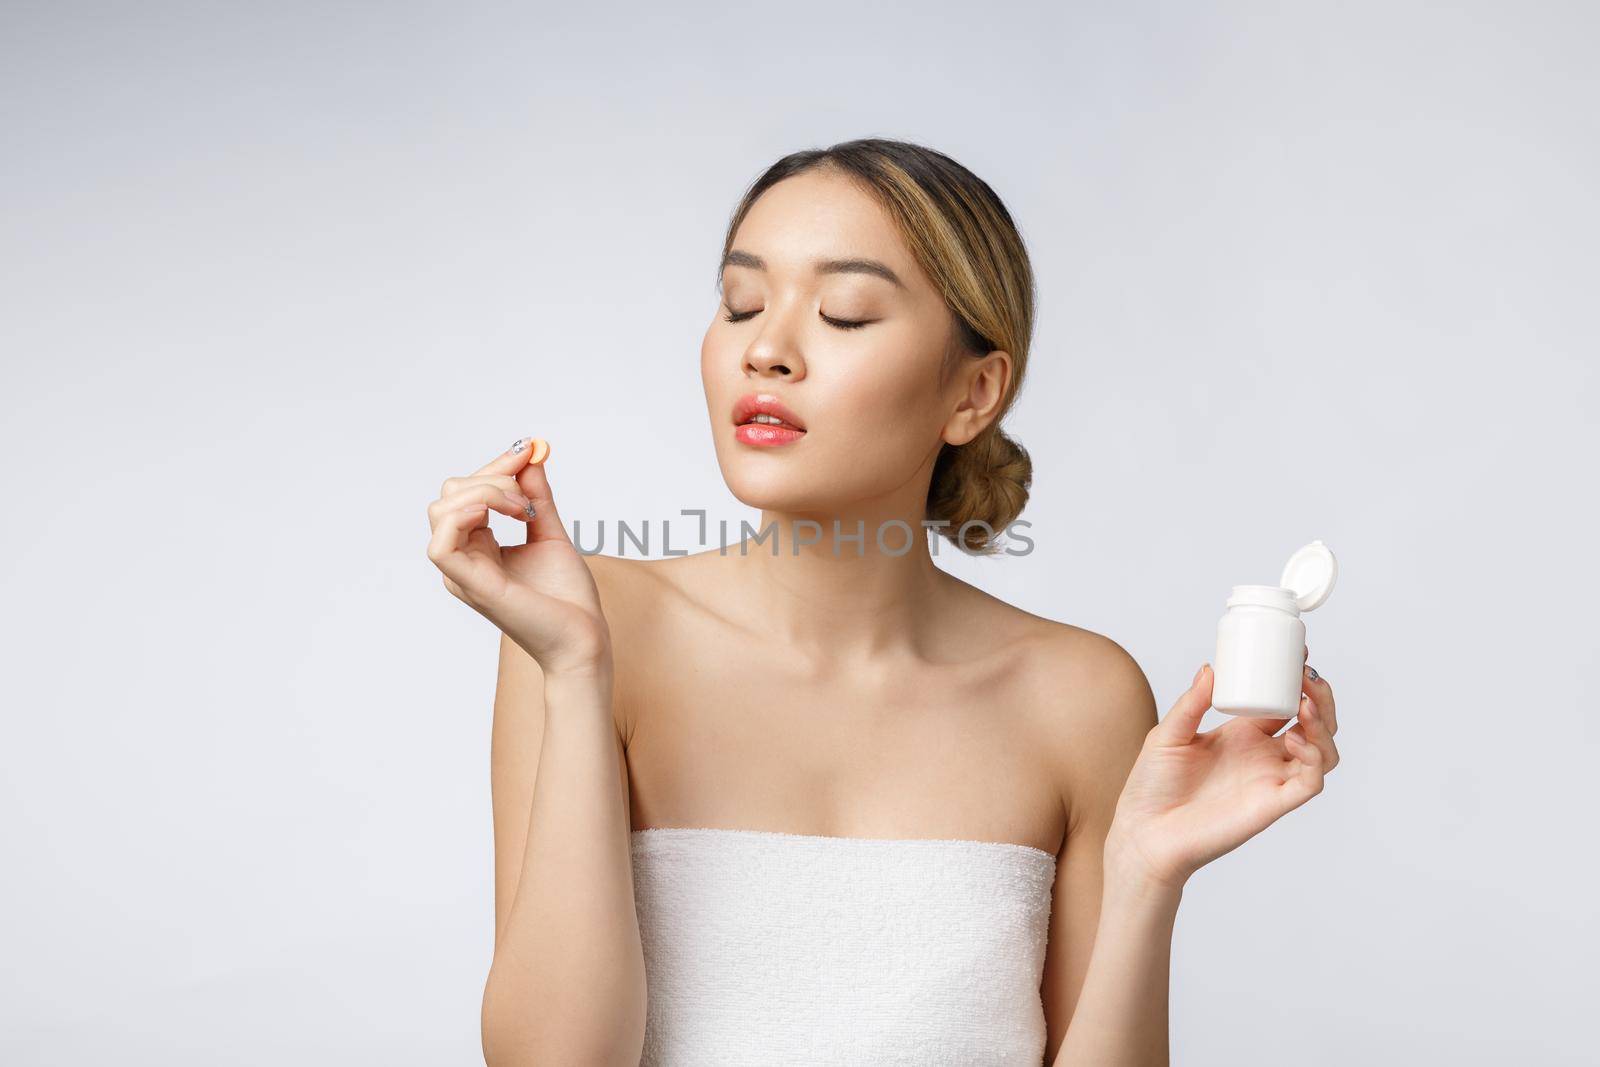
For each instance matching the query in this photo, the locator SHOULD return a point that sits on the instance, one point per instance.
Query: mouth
(762, 419)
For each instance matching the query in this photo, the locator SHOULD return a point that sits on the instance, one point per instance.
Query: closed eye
(842, 324)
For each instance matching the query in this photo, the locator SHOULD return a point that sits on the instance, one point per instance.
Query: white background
(269, 273)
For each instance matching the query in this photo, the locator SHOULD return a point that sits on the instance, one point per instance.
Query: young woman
(812, 799)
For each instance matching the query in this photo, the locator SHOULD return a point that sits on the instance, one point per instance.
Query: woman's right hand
(540, 593)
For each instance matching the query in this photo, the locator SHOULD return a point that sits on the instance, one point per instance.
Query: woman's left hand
(1192, 797)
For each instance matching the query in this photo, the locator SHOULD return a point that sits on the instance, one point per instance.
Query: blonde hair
(965, 240)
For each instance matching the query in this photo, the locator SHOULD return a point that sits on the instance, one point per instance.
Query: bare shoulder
(1087, 703)
(1085, 682)
(630, 588)
(1074, 675)
(638, 597)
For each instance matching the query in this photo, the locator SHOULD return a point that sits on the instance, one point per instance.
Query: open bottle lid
(1310, 574)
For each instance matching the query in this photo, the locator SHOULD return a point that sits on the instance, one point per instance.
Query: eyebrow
(850, 265)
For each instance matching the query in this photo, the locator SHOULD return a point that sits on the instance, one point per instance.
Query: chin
(773, 488)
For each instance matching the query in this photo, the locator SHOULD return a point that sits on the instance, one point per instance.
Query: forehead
(822, 214)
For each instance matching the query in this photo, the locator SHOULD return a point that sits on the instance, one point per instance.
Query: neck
(832, 595)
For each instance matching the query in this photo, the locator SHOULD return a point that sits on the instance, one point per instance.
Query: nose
(774, 355)
(769, 366)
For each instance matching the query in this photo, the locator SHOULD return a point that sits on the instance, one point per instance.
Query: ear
(980, 386)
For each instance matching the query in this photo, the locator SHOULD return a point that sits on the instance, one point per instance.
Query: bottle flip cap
(1310, 574)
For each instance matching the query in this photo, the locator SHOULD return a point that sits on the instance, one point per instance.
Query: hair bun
(983, 481)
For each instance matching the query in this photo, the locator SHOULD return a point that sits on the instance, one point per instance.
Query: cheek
(894, 380)
(708, 356)
(884, 417)
(718, 362)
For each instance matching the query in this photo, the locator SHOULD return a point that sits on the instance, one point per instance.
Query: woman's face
(804, 263)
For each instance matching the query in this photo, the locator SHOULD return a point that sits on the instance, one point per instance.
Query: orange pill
(540, 451)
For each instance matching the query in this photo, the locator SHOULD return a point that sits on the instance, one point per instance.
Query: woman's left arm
(1188, 798)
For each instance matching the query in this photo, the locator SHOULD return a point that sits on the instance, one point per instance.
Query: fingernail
(518, 445)
(1311, 672)
(1198, 675)
(519, 500)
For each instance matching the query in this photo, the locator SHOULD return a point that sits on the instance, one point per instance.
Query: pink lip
(765, 434)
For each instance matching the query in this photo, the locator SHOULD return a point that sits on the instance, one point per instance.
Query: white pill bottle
(1261, 639)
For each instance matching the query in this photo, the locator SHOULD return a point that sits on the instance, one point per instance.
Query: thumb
(1179, 727)
(535, 485)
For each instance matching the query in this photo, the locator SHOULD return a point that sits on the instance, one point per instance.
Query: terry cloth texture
(774, 948)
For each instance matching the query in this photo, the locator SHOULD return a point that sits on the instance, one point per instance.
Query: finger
(455, 484)
(1183, 720)
(523, 450)
(1317, 687)
(546, 523)
(1306, 779)
(1295, 733)
(509, 502)
(473, 572)
(1316, 732)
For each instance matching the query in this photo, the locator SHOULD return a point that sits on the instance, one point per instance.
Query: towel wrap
(774, 948)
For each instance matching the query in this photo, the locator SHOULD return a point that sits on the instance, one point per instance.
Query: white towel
(773, 948)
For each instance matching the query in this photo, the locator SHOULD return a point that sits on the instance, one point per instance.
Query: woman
(812, 799)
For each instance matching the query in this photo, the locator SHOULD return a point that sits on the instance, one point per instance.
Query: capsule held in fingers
(537, 447)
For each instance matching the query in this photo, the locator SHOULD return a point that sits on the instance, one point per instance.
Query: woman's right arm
(567, 980)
